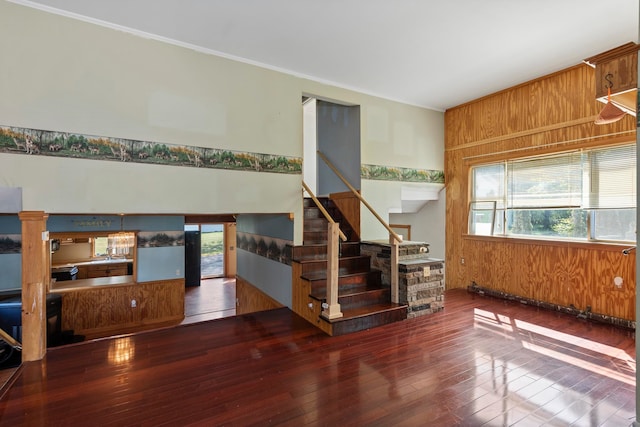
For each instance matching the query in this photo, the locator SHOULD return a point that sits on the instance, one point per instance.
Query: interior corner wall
(426, 224)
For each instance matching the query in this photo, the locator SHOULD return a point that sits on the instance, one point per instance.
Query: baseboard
(602, 318)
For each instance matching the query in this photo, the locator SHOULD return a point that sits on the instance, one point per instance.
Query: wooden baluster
(394, 268)
(332, 310)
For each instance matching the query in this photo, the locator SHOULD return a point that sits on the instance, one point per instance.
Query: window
(100, 246)
(583, 195)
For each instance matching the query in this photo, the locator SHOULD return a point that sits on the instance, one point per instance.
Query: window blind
(611, 178)
(549, 182)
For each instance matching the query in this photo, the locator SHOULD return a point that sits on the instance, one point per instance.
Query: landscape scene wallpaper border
(18, 140)
(389, 173)
(10, 243)
(158, 239)
(269, 247)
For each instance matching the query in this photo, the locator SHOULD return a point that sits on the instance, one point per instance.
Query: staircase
(364, 301)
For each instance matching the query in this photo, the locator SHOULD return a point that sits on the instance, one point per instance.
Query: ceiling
(434, 54)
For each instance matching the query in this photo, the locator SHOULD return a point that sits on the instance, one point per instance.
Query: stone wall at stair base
(420, 278)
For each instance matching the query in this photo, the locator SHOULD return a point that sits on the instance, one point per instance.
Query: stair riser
(315, 224)
(371, 321)
(347, 249)
(364, 299)
(345, 266)
(366, 302)
(347, 283)
(343, 271)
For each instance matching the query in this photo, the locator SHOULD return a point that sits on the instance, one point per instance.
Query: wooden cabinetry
(103, 310)
(617, 70)
(106, 270)
(82, 272)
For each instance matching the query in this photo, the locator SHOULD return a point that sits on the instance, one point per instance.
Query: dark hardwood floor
(481, 361)
(213, 299)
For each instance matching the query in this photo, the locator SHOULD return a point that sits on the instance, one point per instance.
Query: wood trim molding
(527, 132)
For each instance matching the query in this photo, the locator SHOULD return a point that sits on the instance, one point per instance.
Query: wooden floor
(213, 299)
(481, 361)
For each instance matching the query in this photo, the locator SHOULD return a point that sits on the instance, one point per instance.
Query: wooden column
(35, 279)
(394, 268)
(332, 309)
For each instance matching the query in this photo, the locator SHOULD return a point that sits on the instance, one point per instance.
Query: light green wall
(61, 74)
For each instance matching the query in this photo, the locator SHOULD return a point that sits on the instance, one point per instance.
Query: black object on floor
(9, 356)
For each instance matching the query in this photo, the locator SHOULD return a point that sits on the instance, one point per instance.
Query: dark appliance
(11, 317)
(192, 255)
(64, 273)
(55, 245)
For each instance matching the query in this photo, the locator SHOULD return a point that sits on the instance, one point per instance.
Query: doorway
(334, 130)
(209, 251)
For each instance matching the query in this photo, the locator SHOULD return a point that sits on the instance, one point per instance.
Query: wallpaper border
(37, 142)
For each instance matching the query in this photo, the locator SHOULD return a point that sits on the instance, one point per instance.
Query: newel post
(394, 268)
(35, 279)
(332, 308)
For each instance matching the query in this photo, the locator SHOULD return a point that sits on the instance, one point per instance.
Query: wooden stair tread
(368, 310)
(354, 290)
(322, 275)
(342, 259)
(365, 302)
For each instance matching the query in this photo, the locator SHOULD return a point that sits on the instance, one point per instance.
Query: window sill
(601, 246)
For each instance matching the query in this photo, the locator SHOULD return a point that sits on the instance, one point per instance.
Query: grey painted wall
(271, 277)
(338, 131)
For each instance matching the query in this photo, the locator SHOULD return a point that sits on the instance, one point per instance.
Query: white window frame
(620, 185)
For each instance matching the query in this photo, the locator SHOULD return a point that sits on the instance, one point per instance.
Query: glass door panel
(212, 250)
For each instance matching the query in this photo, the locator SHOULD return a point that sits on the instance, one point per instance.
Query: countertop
(94, 262)
(84, 284)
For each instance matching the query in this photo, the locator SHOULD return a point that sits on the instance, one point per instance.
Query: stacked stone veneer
(420, 278)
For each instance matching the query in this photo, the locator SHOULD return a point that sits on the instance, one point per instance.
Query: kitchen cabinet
(82, 272)
(616, 70)
(106, 270)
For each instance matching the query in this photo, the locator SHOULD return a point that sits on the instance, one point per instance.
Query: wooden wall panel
(251, 299)
(553, 113)
(349, 205)
(107, 309)
(161, 301)
(301, 300)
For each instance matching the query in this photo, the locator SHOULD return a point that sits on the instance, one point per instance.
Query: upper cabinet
(617, 71)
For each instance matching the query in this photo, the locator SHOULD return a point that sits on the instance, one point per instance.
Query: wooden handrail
(359, 196)
(323, 210)
(10, 340)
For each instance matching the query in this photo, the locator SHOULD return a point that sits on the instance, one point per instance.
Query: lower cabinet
(108, 310)
(106, 270)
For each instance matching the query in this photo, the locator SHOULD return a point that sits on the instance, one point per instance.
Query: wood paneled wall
(553, 113)
(349, 205)
(251, 299)
(303, 304)
(107, 310)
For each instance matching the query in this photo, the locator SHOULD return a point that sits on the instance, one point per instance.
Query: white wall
(427, 225)
(66, 75)
(309, 169)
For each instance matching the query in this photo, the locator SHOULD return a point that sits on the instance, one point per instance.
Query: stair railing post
(394, 268)
(332, 307)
